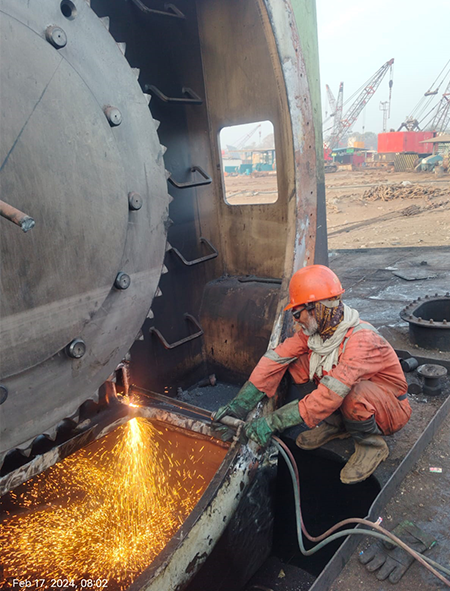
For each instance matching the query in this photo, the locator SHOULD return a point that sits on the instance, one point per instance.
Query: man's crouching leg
(363, 407)
(370, 450)
(332, 427)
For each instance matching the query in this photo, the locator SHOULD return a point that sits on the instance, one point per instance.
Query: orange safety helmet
(311, 284)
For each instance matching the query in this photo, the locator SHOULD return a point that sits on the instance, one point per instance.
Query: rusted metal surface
(237, 318)
(186, 552)
(290, 53)
(16, 216)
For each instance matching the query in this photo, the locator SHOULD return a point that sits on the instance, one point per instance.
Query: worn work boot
(320, 435)
(369, 452)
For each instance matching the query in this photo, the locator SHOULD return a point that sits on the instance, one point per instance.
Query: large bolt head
(134, 201)
(3, 394)
(113, 115)
(122, 281)
(76, 349)
(56, 36)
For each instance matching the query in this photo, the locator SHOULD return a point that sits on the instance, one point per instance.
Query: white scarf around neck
(325, 353)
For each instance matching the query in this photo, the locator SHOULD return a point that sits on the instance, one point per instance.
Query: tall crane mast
(242, 141)
(350, 117)
(442, 116)
(338, 109)
(331, 100)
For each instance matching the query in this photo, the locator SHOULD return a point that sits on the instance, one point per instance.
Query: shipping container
(405, 141)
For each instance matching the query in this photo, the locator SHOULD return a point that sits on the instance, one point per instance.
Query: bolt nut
(113, 115)
(3, 394)
(76, 349)
(122, 281)
(56, 36)
(134, 201)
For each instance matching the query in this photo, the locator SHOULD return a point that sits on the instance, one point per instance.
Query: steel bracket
(207, 180)
(207, 257)
(170, 10)
(191, 337)
(193, 98)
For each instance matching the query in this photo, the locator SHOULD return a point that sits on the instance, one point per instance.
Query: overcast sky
(356, 37)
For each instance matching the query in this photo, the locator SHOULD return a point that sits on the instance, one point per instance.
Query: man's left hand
(259, 431)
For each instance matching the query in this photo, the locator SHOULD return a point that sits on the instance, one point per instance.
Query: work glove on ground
(244, 401)
(394, 561)
(261, 430)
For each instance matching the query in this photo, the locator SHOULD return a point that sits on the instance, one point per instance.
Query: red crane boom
(350, 117)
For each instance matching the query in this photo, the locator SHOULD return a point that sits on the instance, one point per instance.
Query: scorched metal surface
(77, 143)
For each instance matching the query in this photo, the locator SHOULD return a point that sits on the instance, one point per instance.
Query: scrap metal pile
(405, 190)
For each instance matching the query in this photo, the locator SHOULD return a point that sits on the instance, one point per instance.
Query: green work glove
(261, 430)
(245, 401)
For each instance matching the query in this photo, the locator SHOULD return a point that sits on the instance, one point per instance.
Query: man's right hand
(245, 401)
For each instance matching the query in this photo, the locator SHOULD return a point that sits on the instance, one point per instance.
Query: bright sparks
(107, 511)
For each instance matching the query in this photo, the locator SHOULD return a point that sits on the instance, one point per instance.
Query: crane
(338, 109)
(336, 105)
(436, 119)
(352, 114)
(442, 116)
(243, 140)
(331, 100)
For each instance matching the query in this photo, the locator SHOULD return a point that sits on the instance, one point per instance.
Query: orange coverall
(368, 379)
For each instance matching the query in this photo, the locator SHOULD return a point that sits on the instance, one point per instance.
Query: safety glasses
(297, 312)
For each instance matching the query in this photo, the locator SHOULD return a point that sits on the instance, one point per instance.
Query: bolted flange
(428, 321)
(113, 115)
(56, 36)
(122, 281)
(76, 349)
(134, 201)
(3, 394)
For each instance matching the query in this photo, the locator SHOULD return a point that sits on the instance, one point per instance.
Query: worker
(360, 386)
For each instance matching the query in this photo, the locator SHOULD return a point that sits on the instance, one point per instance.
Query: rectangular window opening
(248, 161)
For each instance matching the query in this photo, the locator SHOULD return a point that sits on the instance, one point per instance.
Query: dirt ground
(403, 209)
(423, 497)
(369, 209)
